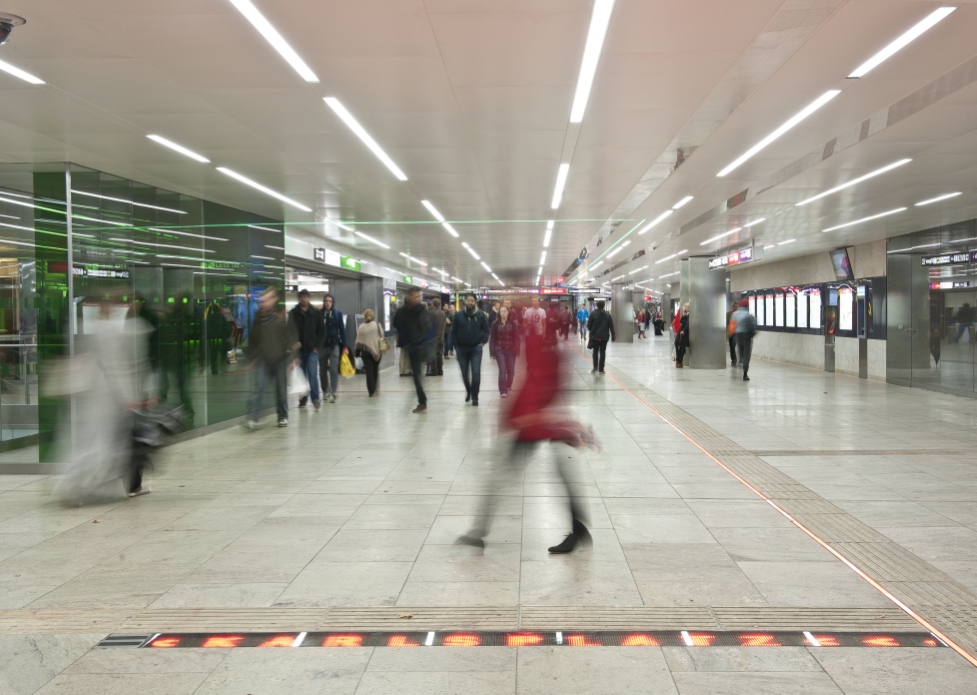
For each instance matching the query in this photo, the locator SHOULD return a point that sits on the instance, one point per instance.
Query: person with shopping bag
(311, 332)
(369, 346)
(272, 344)
(333, 349)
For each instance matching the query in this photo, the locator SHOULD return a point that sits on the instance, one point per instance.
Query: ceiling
(471, 99)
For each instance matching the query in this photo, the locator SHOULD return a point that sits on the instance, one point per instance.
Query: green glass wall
(189, 267)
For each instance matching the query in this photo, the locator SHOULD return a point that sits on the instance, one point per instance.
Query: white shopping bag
(358, 363)
(298, 384)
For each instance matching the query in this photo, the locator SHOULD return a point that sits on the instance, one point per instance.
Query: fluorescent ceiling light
(637, 270)
(451, 230)
(539, 272)
(662, 277)
(272, 36)
(178, 148)
(264, 258)
(433, 210)
(866, 177)
(128, 202)
(797, 118)
(721, 236)
(591, 56)
(596, 265)
(361, 133)
(10, 217)
(275, 248)
(619, 277)
(784, 243)
(264, 189)
(411, 258)
(361, 235)
(549, 225)
(915, 32)
(937, 199)
(27, 229)
(611, 254)
(17, 72)
(769, 246)
(542, 258)
(456, 279)
(668, 258)
(180, 233)
(440, 272)
(655, 221)
(548, 236)
(485, 265)
(750, 224)
(561, 182)
(682, 202)
(864, 219)
(471, 251)
(165, 246)
(342, 226)
(265, 229)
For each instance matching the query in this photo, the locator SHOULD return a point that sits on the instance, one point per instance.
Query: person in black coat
(682, 339)
(469, 332)
(601, 329)
(504, 346)
(415, 334)
(311, 330)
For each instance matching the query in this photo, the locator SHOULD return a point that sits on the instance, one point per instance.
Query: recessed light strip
(178, 148)
(361, 235)
(272, 36)
(17, 72)
(411, 258)
(937, 199)
(655, 222)
(682, 203)
(561, 182)
(721, 236)
(599, 21)
(793, 121)
(866, 177)
(915, 32)
(264, 189)
(364, 136)
(128, 202)
(864, 219)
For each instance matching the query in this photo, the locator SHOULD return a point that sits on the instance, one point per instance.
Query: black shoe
(473, 541)
(733, 363)
(580, 535)
(303, 402)
(468, 397)
(746, 378)
(601, 371)
(475, 403)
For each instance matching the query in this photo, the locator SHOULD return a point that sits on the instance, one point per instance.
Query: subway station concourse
(488, 346)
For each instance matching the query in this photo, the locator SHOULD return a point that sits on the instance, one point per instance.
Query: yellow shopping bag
(346, 367)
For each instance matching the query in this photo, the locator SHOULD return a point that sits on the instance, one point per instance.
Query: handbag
(298, 383)
(590, 343)
(384, 344)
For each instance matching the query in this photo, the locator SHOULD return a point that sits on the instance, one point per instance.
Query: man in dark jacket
(436, 366)
(469, 332)
(415, 335)
(311, 331)
(601, 329)
(334, 346)
(271, 344)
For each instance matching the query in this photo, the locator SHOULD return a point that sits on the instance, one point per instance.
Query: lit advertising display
(752, 307)
(790, 309)
(846, 309)
(814, 297)
(768, 310)
(802, 309)
(778, 309)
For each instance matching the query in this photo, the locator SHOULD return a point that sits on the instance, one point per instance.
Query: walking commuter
(415, 336)
(272, 343)
(470, 331)
(436, 366)
(311, 332)
(449, 312)
(647, 320)
(682, 342)
(731, 336)
(333, 348)
(367, 348)
(745, 329)
(533, 420)
(582, 317)
(640, 322)
(565, 322)
(534, 320)
(601, 329)
(504, 346)
(965, 322)
(493, 314)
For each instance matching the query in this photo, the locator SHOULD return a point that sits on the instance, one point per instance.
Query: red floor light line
(878, 587)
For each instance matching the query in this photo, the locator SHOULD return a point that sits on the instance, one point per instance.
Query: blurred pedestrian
(436, 366)
(582, 317)
(273, 343)
(504, 346)
(311, 332)
(415, 335)
(601, 328)
(533, 419)
(470, 331)
(682, 342)
(534, 320)
(367, 348)
(449, 347)
(333, 348)
(744, 330)
(640, 322)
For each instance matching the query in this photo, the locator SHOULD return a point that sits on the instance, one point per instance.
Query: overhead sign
(319, 254)
(553, 290)
(949, 259)
(948, 285)
(350, 263)
(408, 280)
(744, 255)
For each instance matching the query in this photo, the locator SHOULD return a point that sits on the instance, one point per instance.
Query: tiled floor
(360, 505)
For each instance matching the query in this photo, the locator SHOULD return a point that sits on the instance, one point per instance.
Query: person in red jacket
(534, 419)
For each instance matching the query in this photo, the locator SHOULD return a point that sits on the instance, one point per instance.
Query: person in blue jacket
(582, 316)
(334, 346)
(469, 332)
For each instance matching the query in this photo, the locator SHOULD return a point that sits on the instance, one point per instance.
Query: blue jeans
(309, 362)
(448, 343)
(470, 357)
(583, 330)
(263, 373)
(329, 368)
(506, 360)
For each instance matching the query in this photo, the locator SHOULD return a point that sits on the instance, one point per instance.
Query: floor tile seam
(641, 393)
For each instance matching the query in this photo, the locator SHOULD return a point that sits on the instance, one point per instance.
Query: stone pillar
(621, 313)
(704, 291)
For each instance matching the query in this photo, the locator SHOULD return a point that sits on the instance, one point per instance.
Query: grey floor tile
(27, 662)
(347, 584)
(389, 545)
(805, 683)
(286, 671)
(740, 659)
(596, 671)
(124, 684)
(811, 584)
(898, 671)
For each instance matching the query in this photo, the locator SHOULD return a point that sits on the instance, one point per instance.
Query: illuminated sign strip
(744, 255)
(524, 638)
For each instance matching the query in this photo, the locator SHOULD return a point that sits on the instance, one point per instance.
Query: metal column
(621, 313)
(705, 292)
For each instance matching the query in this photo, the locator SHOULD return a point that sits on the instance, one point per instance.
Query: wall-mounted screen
(752, 306)
(790, 309)
(778, 310)
(814, 297)
(846, 309)
(841, 264)
(768, 309)
(759, 310)
(802, 309)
